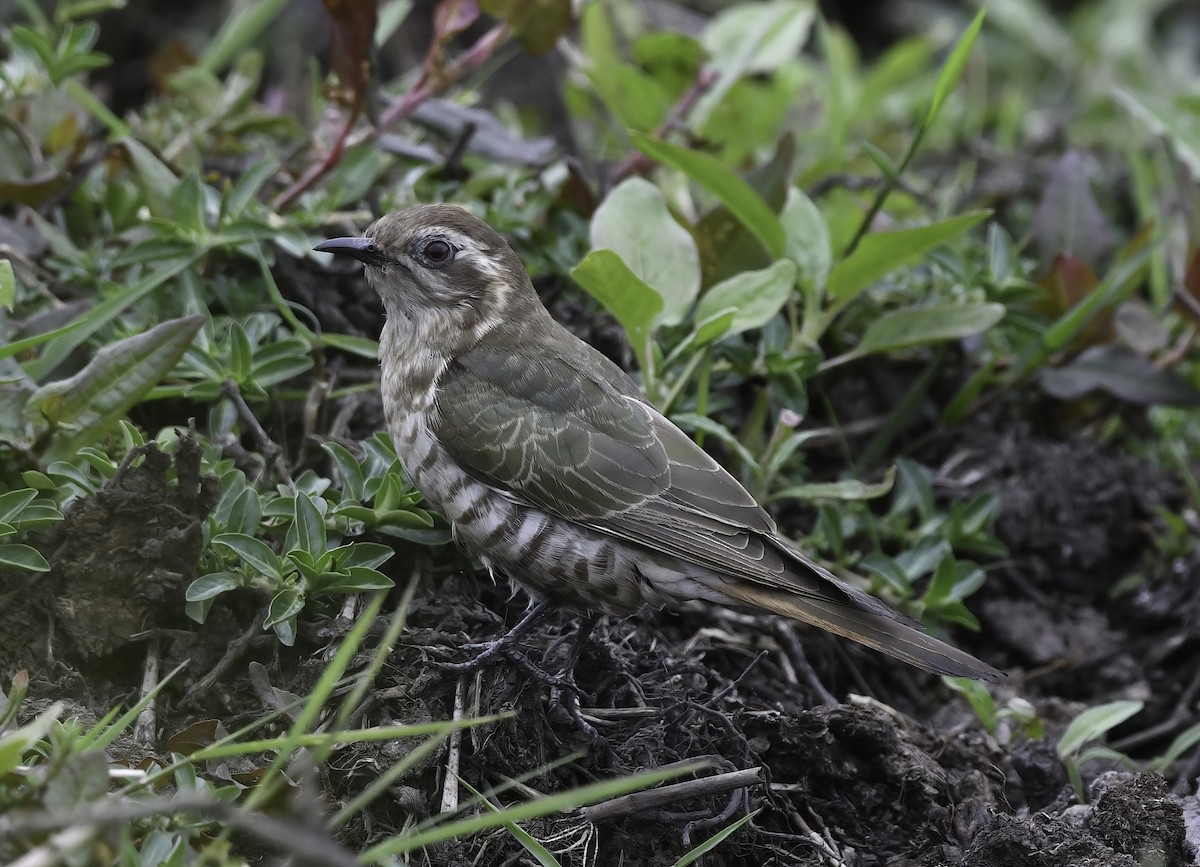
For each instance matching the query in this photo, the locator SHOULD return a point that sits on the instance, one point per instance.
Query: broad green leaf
(755, 296)
(1123, 374)
(94, 399)
(634, 222)
(211, 585)
(953, 67)
(155, 179)
(13, 503)
(19, 556)
(777, 29)
(360, 579)
(724, 183)
(350, 469)
(880, 253)
(1094, 723)
(367, 554)
(807, 241)
(918, 326)
(255, 552)
(8, 285)
(751, 37)
(285, 604)
(636, 305)
(310, 526)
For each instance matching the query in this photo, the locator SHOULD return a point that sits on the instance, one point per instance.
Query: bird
(554, 469)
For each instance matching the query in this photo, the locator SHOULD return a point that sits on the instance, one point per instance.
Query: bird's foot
(499, 647)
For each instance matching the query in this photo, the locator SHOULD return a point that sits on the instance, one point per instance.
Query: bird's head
(448, 274)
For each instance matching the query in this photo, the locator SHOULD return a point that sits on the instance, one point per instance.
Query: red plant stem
(638, 163)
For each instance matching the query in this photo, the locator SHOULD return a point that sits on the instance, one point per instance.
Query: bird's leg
(569, 697)
(492, 649)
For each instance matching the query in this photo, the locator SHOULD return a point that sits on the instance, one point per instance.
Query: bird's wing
(544, 430)
(572, 444)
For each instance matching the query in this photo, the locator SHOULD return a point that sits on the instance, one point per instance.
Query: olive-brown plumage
(552, 467)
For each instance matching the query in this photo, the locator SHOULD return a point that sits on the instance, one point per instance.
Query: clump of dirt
(121, 560)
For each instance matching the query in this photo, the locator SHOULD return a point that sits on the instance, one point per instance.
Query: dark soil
(863, 759)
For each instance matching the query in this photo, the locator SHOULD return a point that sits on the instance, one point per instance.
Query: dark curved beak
(362, 249)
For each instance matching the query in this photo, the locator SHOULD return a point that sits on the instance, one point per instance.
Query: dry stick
(233, 652)
(144, 728)
(271, 450)
(640, 801)
(468, 62)
(450, 784)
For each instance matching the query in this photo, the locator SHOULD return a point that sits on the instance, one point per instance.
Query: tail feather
(884, 633)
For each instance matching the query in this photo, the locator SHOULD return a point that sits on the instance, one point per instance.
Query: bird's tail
(867, 624)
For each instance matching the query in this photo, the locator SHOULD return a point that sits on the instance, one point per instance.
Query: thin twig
(271, 450)
(467, 62)
(649, 800)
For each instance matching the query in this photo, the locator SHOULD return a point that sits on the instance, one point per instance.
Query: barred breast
(570, 565)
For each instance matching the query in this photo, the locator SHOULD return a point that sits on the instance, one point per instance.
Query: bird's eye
(437, 252)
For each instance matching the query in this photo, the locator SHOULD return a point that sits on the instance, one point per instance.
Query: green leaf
(724, 183)
(14, 744)
(247, 186)
(918, 326)
(254, 552)
(848, 489)
(977, 697)
(952, 69)
(634, 222)
(155, 179)
(750, 37)
(359, 579)
(247, 22)
(118, 376)
(366, 554)
(635, 304)
(755, 296)
(807, 241)
(285, 604)
(880, 253)
(211, 585)
(1121, 373)
(241, 354)
(8, 285)
(363, 347)
(310, 526)
(350, 469)
(70, 337)
(18, 556)
(1094, 722)
(14, 502)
